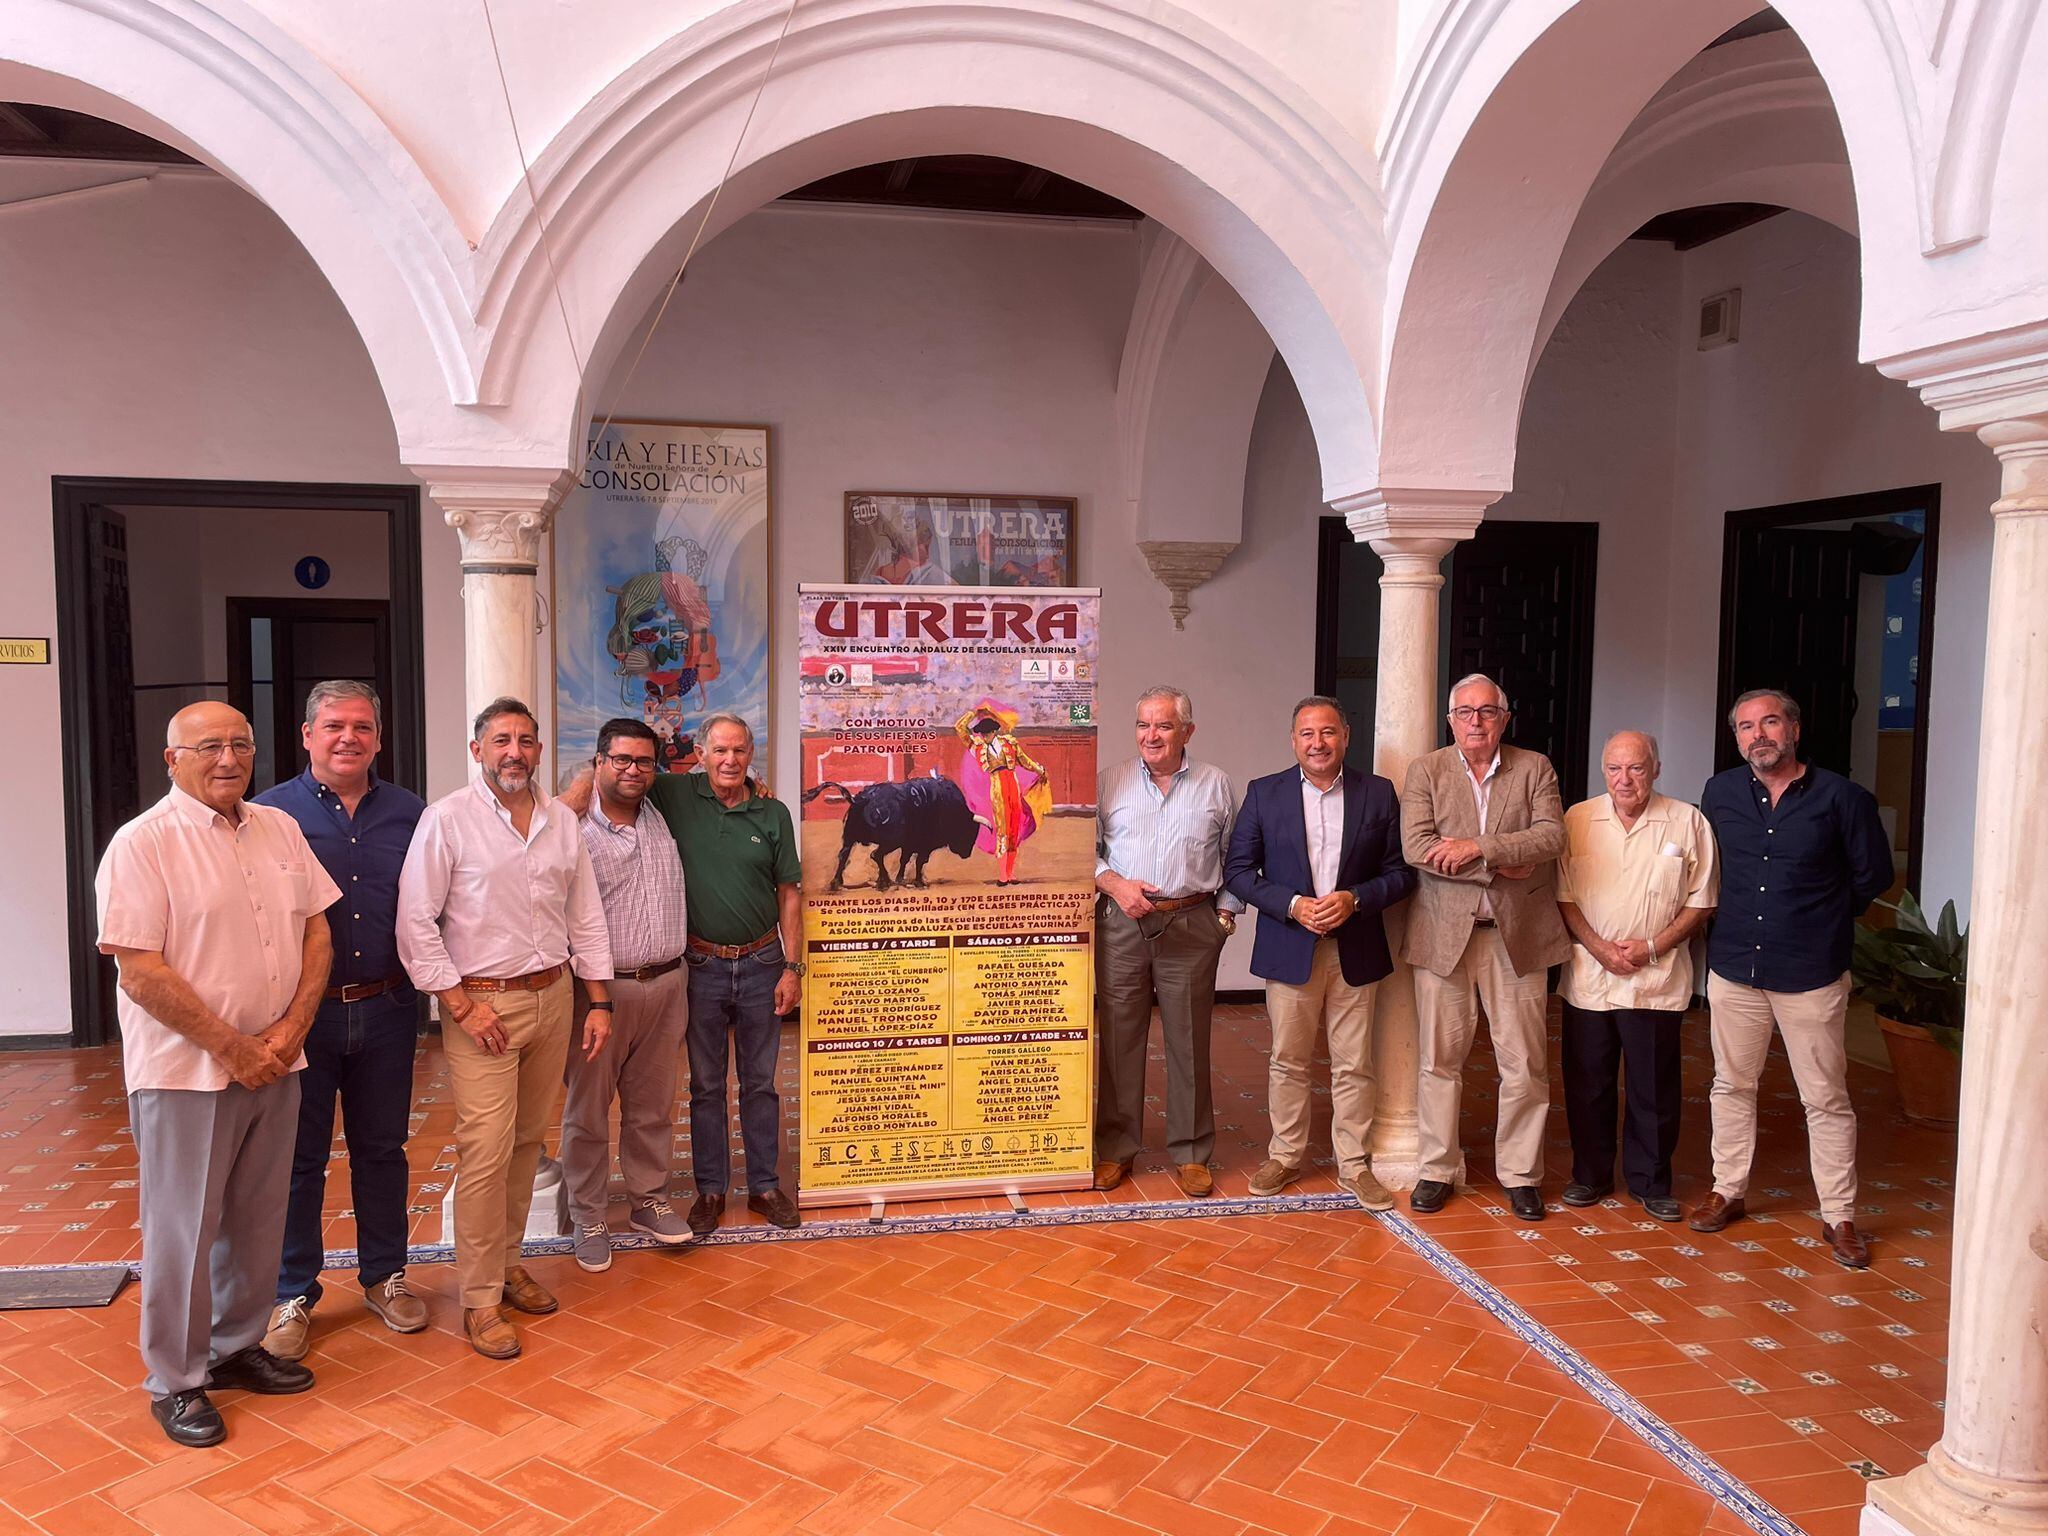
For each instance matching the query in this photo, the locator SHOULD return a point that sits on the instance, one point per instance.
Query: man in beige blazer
(1483, 826)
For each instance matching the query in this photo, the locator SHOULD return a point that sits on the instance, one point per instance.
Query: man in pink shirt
(496, 903)
(212, 908)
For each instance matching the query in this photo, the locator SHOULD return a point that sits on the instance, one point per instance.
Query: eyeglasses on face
(1485, 714)
(622, 763)
(210, 751)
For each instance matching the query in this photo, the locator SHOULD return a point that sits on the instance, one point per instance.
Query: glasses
(1485, 714)
(624, 764)
(210, 751)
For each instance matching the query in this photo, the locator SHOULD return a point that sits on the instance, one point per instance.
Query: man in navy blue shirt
(362, 1041)
(1802, 855)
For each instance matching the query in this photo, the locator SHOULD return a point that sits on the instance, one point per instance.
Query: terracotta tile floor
(1290, 1370)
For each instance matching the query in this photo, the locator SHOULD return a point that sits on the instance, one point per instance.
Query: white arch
(1155, 108)
(1505, 120)
(225, 83)
(1749, 122)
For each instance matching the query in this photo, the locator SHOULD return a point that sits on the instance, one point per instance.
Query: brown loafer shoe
(1272, 1177)
(1109, 1175)
(776, 1206)
(1851, 1251)
(1195, 1179)
(705, 1212)
(526, 1294)
(1716, 1211)
(489, 1334)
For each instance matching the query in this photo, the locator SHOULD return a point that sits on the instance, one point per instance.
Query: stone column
(1411, 531)
(502, 516)
(1990, 1471)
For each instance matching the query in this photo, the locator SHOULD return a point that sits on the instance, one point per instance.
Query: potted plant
(1913, 976)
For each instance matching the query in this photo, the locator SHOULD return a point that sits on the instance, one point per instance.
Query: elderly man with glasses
(1483, 825)
(212, 907)
(640, 879)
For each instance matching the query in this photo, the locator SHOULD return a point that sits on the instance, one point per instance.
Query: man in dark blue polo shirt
(361, 1045)
(1802, 855)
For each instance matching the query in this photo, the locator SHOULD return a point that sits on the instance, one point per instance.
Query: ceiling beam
(14, 118)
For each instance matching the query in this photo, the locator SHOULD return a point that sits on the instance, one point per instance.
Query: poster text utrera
(949, 853)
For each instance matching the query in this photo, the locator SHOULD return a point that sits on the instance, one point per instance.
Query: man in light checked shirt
(640, 878)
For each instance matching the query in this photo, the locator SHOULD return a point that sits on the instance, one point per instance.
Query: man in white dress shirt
(1160, 926)
(496, 902)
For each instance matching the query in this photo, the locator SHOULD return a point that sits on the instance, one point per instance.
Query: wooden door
(1793, 627)
(1521, 611)
(279, 647)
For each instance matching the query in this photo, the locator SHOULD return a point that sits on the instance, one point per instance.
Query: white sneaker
(594, 1247)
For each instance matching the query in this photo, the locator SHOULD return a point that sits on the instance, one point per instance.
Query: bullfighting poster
(661, 584)
(948, 831)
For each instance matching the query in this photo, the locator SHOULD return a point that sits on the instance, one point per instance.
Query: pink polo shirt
(226, 905)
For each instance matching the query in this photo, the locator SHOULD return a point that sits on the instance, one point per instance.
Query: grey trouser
(638, 1067)
(215, 1172)
(1174, 955)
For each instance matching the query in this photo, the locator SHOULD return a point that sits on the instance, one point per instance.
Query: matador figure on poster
(1008, 811)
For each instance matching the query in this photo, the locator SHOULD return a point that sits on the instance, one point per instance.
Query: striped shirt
(640, 877)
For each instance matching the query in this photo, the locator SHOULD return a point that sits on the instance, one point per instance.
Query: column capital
(1976, 381)
(1181, 565)
(1414, 520)
(501, 512)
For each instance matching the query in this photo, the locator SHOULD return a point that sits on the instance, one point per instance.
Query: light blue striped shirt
(1174, 841)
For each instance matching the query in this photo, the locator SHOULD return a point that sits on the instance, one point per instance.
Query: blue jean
(736, 996)
(364, 1053)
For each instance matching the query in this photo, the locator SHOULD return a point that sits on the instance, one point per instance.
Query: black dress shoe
(256, 1369)
(776, 1206)
(189, 1417)
(705, 1211)
(1526, 1202)
(1428, 1196)
(1586, 1194)
(1663, 1207)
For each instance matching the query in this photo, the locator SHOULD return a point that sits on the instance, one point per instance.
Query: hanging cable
(554, 275)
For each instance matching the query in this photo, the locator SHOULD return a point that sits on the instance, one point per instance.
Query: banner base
(872, 1195)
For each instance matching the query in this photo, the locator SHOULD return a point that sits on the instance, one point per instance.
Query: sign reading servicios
(17, 652)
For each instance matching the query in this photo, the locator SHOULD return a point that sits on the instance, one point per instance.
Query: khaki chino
(1812, 1024)
(1448, 1019)
(502, 1108)
(638, 1066)
(1325, 1001)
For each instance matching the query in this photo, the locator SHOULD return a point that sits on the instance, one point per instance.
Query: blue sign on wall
(312, 573)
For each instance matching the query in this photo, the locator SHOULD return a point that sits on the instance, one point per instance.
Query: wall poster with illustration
(918, 539)
(661, 595)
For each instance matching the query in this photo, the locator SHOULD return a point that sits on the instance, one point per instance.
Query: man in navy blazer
(1317, 850)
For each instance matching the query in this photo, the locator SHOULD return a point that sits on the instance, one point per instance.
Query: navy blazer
(1267, 867)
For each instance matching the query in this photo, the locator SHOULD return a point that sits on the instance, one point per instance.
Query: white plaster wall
(1626, 422)
(171, 329)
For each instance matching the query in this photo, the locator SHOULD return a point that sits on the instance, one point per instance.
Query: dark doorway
(102, 750)
(1521, 611)
(1348, 632)
(1833, 601)
(279, 647)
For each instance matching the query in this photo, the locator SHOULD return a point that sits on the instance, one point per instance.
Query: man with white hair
(1161, 924)
(1483, 826)
(213, 909)
(1637, 880)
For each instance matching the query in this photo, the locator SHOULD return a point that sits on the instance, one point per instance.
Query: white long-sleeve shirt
(476, 899)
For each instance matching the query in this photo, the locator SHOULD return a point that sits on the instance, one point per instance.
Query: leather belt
(1484, 922)
(1181, 903)
(734, 951)
(532, 981)
(356, 991)
(649, 972)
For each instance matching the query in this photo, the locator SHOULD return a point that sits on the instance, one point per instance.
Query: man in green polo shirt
(745, 919)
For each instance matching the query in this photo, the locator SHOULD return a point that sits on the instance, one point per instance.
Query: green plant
(1914, 974)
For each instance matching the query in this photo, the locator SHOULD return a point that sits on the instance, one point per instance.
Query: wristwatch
(606, 1006)
(794, 967)
(1228, 920)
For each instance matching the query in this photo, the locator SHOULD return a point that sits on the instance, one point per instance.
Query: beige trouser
(1447, 1019)
(1325, 1001)
(502, 1108)
(638, 1068)
(1811, 1023)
